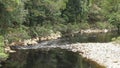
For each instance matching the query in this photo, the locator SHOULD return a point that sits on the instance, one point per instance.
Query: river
(57, 58)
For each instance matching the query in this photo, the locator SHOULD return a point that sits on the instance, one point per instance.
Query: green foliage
(40, 31)
(76, 11)
(114, 18)
(44, 11)
(23, 19)
(1, 44)
(3, 56)
(84, 26)
(12, 13)
(104, 25)
(43, 31)
(60, 27)
(71, 28)
(111, 11)
(32, 32)
(17, 34)
(116, 40)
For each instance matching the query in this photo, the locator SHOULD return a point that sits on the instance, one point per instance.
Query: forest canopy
(31, 18)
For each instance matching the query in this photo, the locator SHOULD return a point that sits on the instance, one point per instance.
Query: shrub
(104, 25)
(17, 34)
(60, 27)
(32, 32)
(1, 44)
(71, 28)
(43, 31)
(116, 40)
(3, 56)
(84, 26)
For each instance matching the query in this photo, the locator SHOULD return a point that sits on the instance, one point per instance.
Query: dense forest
(25, 19)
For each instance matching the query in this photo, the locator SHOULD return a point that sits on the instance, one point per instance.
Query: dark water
(92, 37)
(83, 38)
(55, 58)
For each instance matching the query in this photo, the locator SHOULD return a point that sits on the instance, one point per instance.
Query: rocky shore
(95, 31)
(104, 54)
(52, 36)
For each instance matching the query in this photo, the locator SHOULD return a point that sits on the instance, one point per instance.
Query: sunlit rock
(8, 50)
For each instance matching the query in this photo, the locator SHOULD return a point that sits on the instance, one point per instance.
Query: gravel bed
(106, 54)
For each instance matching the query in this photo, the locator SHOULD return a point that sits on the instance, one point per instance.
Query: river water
(57, 58)
(91, 37)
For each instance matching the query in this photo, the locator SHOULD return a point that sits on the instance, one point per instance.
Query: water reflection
(92, 37)
(55, 58)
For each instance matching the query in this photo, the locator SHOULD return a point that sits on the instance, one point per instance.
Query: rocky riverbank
(52, 36)
(104, 54)
(95, 31)
(34, 41)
